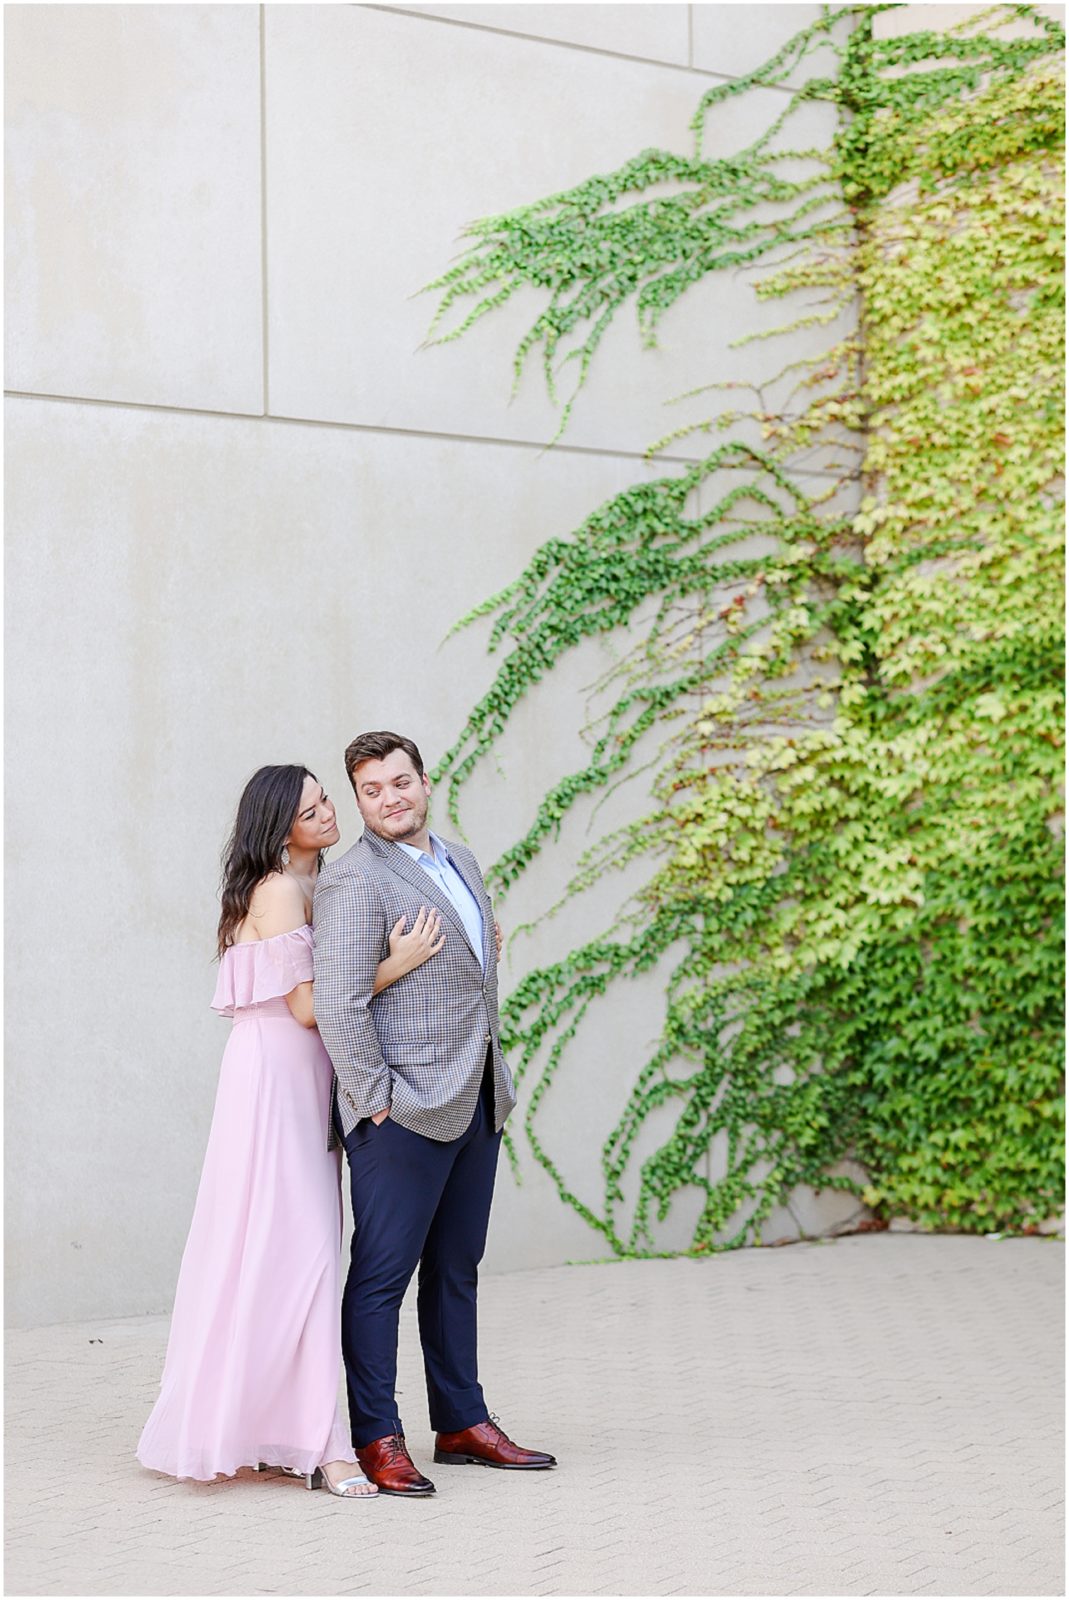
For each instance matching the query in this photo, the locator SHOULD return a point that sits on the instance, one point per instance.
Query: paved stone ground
(874, 1415)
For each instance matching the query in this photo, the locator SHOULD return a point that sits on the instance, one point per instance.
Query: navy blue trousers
(417, 1201)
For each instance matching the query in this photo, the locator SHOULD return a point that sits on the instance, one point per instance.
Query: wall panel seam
(568, 44)
(263, 210)
(371, 427)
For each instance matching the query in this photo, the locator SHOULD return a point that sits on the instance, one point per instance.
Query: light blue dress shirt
(442, 870)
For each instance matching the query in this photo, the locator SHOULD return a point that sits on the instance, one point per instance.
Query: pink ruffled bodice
(262, 970)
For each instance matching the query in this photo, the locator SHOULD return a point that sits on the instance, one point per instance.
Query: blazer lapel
(479, 898)
(429, 891)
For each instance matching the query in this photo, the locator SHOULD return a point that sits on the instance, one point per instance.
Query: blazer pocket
(407, 1052)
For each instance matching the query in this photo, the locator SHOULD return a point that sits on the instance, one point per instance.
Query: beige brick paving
(873, 1415)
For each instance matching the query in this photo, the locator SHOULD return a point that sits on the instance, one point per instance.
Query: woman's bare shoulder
(277, 899)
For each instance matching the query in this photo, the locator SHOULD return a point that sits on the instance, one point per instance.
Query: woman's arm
(299, 1001)
(410, 950)
(277, 906)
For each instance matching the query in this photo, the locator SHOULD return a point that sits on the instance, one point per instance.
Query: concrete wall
(244, 508)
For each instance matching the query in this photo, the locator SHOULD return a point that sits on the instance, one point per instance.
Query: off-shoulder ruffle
(262, 970)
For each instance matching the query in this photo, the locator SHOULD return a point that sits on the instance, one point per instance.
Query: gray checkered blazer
(418, 1047)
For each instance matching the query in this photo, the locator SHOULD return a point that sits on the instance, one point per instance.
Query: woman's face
(316, 825)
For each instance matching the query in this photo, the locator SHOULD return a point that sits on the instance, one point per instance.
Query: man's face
(391, 796)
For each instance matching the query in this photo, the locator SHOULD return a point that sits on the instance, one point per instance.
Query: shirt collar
(438, 852)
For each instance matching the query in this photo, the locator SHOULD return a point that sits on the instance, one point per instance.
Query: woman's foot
(335, 1474)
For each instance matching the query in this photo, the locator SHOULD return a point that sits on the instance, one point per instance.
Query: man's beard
(405, 824)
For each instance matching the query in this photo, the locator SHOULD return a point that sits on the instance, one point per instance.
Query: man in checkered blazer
(421, 1094)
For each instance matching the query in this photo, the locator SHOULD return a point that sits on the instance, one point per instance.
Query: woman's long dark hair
(267, 811)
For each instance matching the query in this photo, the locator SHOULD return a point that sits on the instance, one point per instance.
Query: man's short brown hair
(376, 747)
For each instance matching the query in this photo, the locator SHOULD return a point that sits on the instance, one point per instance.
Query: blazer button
(489, 1038)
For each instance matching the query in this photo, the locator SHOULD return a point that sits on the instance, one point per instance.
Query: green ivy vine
(854, 830)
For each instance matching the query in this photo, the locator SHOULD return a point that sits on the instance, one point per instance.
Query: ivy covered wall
(852, 842)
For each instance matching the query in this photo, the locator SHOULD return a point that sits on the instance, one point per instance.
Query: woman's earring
(285, 856)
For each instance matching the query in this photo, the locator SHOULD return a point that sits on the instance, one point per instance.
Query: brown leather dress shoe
(386, 1461)
(486, 1445)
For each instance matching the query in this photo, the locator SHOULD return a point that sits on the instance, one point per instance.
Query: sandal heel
(312, 1480)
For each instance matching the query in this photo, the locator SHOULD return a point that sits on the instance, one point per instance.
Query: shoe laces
(394, 1446)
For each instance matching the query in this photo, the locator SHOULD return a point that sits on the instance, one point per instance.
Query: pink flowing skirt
(253, 1360)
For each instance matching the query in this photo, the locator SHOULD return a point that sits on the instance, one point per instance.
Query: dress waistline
(265, 1010)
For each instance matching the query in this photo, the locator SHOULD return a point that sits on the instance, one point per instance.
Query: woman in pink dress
(253, 1360)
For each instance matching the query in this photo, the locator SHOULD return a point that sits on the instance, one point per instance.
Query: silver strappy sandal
(319, 1480)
